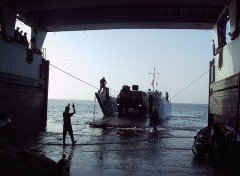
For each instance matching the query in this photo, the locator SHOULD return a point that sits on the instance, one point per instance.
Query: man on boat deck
(17, 35)
(155, 119)
(67, 126)
(24, 41)
(167, 96)
(103, 83)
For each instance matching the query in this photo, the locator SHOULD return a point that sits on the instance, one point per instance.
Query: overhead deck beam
(71, 15)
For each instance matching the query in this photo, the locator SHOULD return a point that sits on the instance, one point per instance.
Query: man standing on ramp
(155, 119)
(67, 126)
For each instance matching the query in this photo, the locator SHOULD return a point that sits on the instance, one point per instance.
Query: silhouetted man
(155, 119)
(67, 126)
(103, 83)
(17, 35)
(64, 163)
(24, 41)
(167, 96)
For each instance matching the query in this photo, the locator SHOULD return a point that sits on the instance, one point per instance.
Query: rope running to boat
(73, 76)
(97, 88)
(189, 85)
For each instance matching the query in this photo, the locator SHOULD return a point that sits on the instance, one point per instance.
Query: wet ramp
(123, 122)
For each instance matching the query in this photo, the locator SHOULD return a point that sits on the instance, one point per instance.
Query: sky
(126, 57)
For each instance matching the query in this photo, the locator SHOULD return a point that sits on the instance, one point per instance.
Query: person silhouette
(20, 37)
(167, 96)
(24, 41)
(67, 126)
(103, 83)
(64, 163)
(155, 119)
(17, 35)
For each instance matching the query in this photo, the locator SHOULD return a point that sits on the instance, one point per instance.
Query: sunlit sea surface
(190, 117)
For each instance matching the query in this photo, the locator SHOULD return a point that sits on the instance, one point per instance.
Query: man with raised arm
(67, 126)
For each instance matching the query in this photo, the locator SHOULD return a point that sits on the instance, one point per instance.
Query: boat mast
(154, 76)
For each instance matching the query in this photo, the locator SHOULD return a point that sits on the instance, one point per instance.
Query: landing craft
(135, 101)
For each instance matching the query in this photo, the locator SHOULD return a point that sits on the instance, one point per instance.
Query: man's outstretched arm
(73, 106)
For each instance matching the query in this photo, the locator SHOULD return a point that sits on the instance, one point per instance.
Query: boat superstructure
(23, 77)
(224, 87)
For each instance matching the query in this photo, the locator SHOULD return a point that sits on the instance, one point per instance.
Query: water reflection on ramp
(123, 121)
(130, 151)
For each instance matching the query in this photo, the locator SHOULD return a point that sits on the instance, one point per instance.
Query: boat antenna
(154, 76)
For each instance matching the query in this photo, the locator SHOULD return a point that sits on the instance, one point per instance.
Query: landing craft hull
(107, 103)
(163, 107)
(23, 89)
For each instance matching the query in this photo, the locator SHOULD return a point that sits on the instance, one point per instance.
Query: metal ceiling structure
(72, 15)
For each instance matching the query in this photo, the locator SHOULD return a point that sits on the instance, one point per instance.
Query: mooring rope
(94, 110)
(73, 76)
(219, 105)
(189, 84)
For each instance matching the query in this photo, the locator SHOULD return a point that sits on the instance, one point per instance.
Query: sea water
(130, 151)
(185, 122)
(185, 117)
